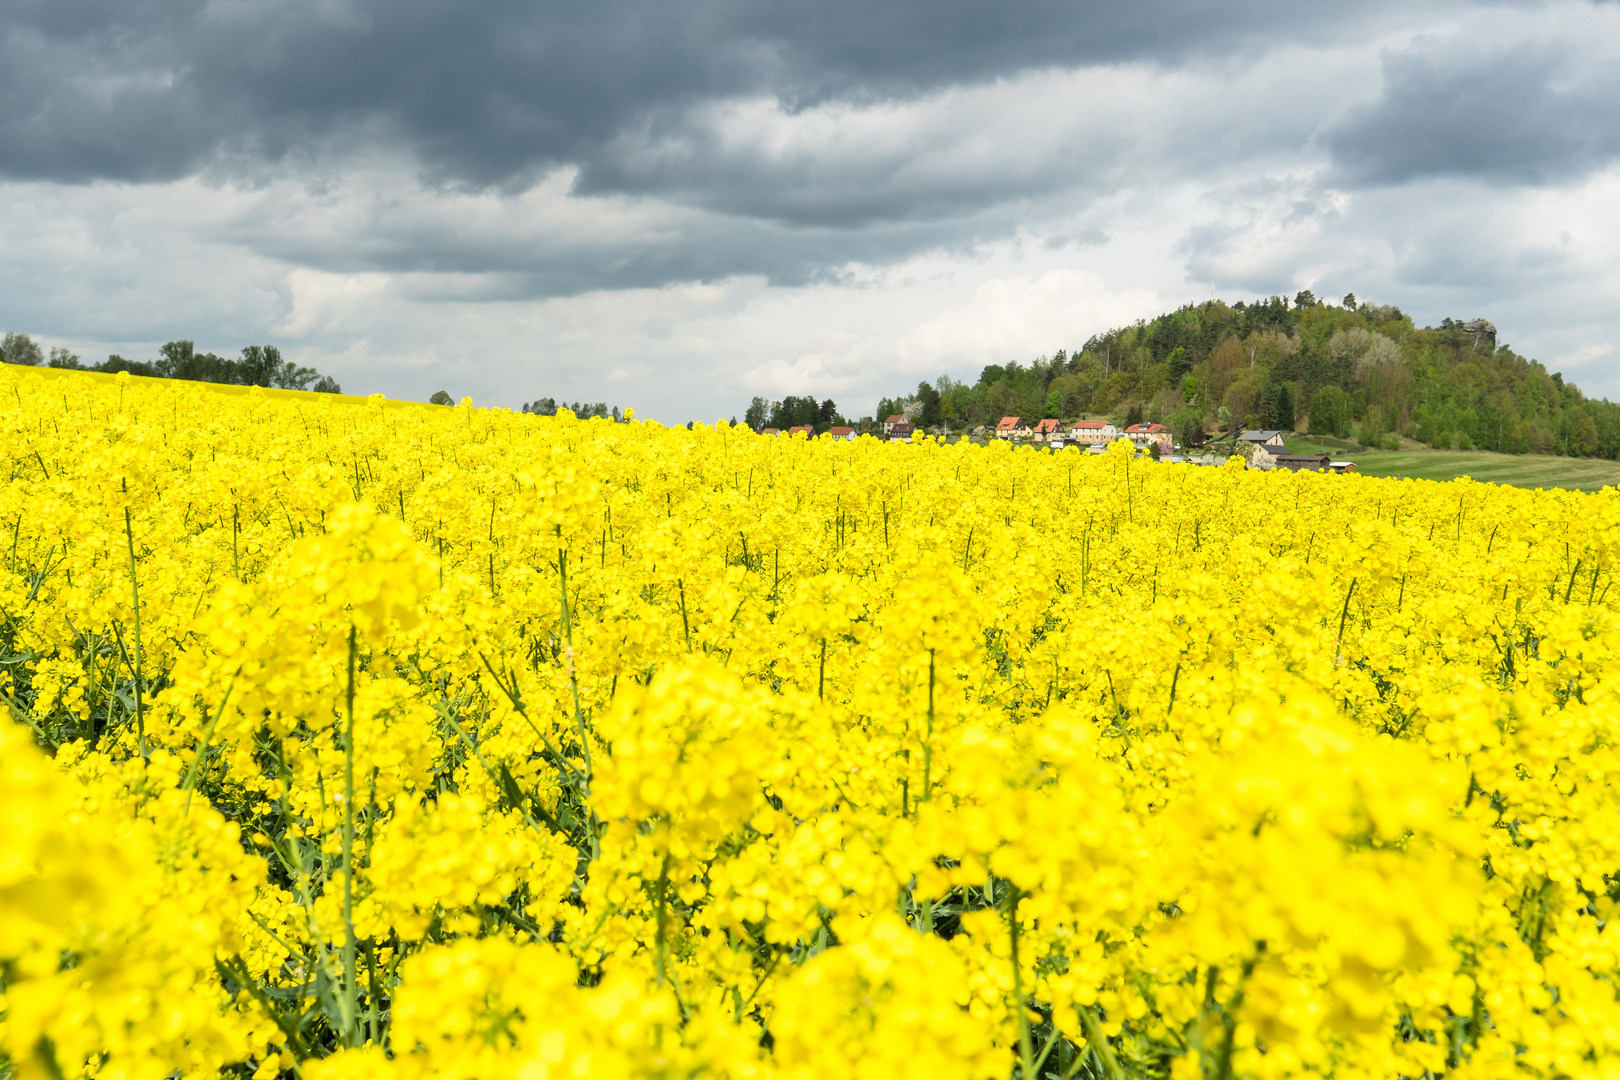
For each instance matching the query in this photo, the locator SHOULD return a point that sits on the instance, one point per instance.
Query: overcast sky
(680, 206)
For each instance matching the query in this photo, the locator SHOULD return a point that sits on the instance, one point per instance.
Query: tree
(442, 397)
(1330, 412)
(259, 366)
(1350, 300)
(1054, 405)
(326, 385)
(1305, 299)
(1133, 415)
(1277, 405)
(1189, 427)
(759, 410)
(928, 397)
(1582, 439)
(998, 401)
(263, 365)
(20, 349)
(1179, 362)
(115, 363)
(1375, 427)
(792, 411)
(179, 360)
(826, 412)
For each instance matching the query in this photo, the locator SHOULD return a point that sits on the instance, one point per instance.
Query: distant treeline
(259, 365)
(584, 410)
(1352, 370)
(792, 412)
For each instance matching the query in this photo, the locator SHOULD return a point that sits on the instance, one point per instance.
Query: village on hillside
(1263, 449)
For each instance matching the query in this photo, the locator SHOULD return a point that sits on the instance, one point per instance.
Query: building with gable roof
(1092, 431)
(1143, 435)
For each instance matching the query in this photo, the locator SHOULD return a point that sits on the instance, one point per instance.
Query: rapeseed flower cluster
(352, 739)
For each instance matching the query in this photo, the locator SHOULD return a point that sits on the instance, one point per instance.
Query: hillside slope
(1355, 371)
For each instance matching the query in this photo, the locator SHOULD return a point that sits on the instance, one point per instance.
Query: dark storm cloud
(492, 93)
(1503, 111)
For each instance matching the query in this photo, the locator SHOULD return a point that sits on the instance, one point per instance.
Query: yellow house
(1092, 431)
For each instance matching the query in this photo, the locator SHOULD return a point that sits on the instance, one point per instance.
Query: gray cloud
(751, 188)
(549, 242)
(1515, 110)
(495, 92)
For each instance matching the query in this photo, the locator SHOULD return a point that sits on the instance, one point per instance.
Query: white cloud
(1019, 318)
(328, 304)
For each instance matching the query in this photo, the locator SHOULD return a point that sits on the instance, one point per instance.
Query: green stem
(191, 773)
(371, 966)
(928, 744)
(1345, 612)
(1026, 1045)
(140, 679)
(1098, 1042)
(1229, 1020)
(494, 775)
(661, 946)
(351, 988)
(573, 677)
(512, 695)
(685, 625)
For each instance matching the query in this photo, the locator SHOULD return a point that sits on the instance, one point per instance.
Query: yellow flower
(680, 753)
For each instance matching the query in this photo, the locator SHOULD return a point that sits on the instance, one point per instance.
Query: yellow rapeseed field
(357, 740)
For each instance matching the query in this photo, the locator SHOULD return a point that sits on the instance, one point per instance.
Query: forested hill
(1353, 370)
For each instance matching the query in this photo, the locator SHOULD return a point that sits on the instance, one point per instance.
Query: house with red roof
(1144, 434)
(888, 425)
(803, 429)
(900, 431)
(1092, 432)
(1012, 427)
(846, 433)
(1046, 430)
